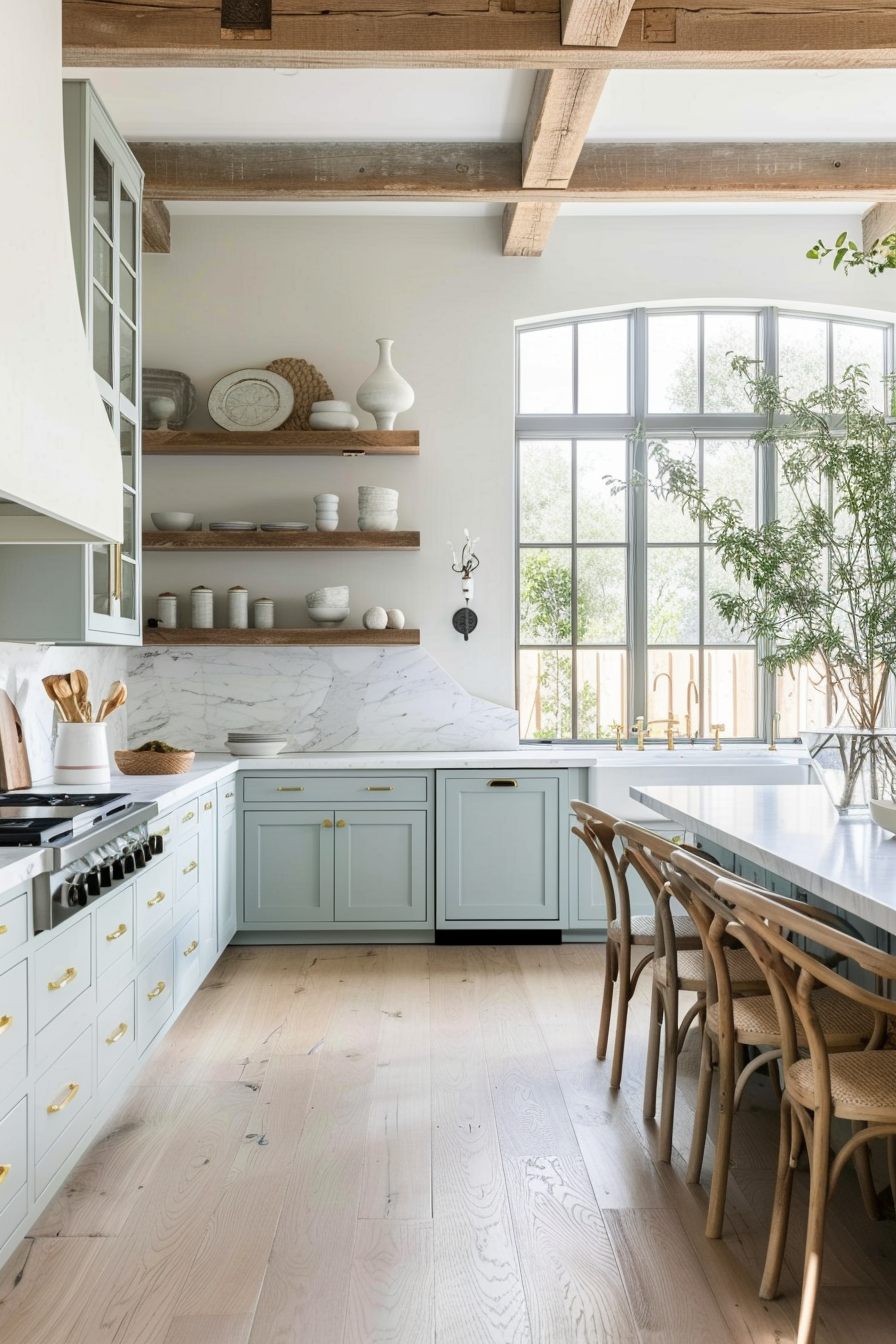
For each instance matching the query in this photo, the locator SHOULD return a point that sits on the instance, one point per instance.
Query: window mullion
(637, 522)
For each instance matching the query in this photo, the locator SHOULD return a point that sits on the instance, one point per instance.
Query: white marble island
(793, 831)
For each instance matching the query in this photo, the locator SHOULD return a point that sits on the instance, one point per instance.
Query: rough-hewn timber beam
(469, 33)
(156, 226)
(593, 23)
(527, 225)
(877, 222)
(280, 171)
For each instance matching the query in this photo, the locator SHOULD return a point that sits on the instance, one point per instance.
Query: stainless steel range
(99, 841)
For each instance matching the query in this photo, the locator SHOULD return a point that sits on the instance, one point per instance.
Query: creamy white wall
(242, 291)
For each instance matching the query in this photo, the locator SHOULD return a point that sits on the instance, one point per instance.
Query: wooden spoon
(66, 697)
(49, 685)
(118, 693)
(80, 686)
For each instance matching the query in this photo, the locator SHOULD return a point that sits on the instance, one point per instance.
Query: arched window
(615, 611)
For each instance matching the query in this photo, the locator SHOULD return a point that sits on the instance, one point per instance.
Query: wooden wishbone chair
(733, 1022)
(859, 1086)
(676, 970)
(624, 931)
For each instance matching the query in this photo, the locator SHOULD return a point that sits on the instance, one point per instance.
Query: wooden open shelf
(281, 541)
(339, 636)
(281, 443)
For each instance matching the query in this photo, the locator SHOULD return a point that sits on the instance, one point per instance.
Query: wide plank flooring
(401, 1145)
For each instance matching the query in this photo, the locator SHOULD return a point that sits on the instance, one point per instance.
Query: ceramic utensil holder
(81, 755)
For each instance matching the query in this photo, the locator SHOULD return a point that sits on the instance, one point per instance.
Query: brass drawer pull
(192, 948)
(117, 933)
(380, 788)
(290, 788)
(116, 1036)
(188, 817)
(159, 989)
(6, 1022)
(190, 867)
(327, 825)
(340, 823)
(4, 929)
(166, 831)
(229, 795)
(156, 900)
(503, 784)
(209, 806)
(56, 1106)
(63, 979)
(4, 1172)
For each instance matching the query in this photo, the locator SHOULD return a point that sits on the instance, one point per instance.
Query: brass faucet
(772, 745)
(659, 676)
(718, 729)
(617, 729)
(638, 727)
(688, 716)
(670, 724)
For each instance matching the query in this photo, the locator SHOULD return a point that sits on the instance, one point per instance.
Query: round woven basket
(154, 762)
(308, 384)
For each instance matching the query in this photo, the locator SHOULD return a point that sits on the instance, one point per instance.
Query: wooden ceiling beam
(527, 225)
(611, 171)
(471, 33)
(878, 222)
(593, 23)
(156, 226)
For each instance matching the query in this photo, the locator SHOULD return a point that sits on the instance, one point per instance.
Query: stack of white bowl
(269, 743)
(377, 508)
(332, 415)
(328, 606)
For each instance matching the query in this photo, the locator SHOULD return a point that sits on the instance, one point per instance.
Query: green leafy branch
(879, 257)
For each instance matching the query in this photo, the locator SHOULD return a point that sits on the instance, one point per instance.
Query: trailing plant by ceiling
(879, 257)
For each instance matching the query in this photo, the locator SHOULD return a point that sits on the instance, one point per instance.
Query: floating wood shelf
(281, 442)
(338, 636)
(281, 541)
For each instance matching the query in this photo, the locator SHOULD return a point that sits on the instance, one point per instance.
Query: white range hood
(60, 467)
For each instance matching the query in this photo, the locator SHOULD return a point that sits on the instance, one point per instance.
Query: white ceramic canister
(263, 610)
(238, 608)
(81, 755)
(327, 512)
(201, 608)
(166, 610)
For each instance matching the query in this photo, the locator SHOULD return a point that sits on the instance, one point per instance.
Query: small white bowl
(378, 522)
(884, 813)
(173, 522)
(328, 616)
(332, 420)
(328, 597)
(345, 407)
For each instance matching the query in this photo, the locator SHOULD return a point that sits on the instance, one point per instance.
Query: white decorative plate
(252, 399)
(284, 527)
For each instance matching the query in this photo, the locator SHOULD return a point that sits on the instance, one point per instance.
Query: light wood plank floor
(414, 1144)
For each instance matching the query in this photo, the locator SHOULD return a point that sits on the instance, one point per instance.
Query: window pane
(127, 436)
(545, 597)
(673, 595)
(726, 335)
(672, 362)
(729, 468)
(673, 687)
(602, 685)
(729, 676)
(545, 693)
(102, 335)
(545, 490)
(601, 514)
(601, 595)
(603, 367)
(128, 241)
(802, 355)
(854, 344)
(102, 190)
(666, 520)
(126, 368)
(717, 579)
(802, 700)
(546, 371)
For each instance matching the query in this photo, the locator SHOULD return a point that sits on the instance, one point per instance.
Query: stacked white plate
(284, 527)
(232, 527)
(256, 744)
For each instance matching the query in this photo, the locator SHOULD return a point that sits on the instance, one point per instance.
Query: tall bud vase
(385, 394)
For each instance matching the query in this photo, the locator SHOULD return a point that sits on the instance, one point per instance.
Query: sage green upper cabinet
(91, 594)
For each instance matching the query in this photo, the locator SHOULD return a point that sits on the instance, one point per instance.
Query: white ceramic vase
(385, 394)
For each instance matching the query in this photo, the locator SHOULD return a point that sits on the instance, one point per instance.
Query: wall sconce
(465, 620)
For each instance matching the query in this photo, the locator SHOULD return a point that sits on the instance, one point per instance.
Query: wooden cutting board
(15, 772)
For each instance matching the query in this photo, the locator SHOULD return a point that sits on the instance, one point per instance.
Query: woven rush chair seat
(863, 1085)
(844, 1023)
(643, 929)
(746, 974)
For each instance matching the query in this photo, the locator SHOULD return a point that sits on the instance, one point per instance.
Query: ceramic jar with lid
(166, 610)
(238, 608)
(201, 607)
(263, 610)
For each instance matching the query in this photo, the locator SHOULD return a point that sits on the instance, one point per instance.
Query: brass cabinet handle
(340, 823)
(116, 559)
(209, 806)
(287, 788)
(190, 866)
(159, 989)
(121, 1030)
(117, 933)
(503, 784)
(6, 1022)
(73, 1090)
(4, 929)
(380, 788)
(192, 948)
(156, 900)
(229, 795)
(189, 816)
(327, 824)
(165, 831)
(63, 979)
(4, 1172)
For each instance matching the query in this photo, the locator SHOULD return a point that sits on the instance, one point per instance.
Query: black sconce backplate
(465, 622)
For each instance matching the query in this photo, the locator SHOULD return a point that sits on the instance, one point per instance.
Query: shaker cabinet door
(287, 868)
(226, 883)
(380, 865)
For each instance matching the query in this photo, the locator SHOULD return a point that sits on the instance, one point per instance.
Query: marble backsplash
(22, 667)
(351, 699)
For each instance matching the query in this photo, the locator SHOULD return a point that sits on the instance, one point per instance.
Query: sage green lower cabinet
(208, 878)
(288, 860)
(380, 870)
(501, 858)
(227, 864)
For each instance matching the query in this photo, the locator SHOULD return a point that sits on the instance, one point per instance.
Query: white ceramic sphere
(394, 619)
(375, 618)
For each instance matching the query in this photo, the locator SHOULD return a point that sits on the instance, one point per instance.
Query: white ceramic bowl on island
(884, 813)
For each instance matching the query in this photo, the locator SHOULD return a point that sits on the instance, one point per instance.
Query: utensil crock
(81, 755)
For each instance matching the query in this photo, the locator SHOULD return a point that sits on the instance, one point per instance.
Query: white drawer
(114, 929)
(187, 818)
(227, 797)
(155, 901)
(187, 961)
(155, 995)
(13, 1152)
(187, 865)
(61, 1093)
(115, 1032)
(61, 971)
(14, 1024)
(166, 827)
(13, 921)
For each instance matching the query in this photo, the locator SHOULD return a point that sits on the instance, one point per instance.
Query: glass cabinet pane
(127, 292)
(127, 435)
(102, 335)
(102, 260)
(129, 512)
(127, 338)
(128, 229)
(128, 610)
(102, 190)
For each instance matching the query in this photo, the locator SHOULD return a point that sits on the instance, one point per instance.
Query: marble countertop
(21, 865)
(792, 830)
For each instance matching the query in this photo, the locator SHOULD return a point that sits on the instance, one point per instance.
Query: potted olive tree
(817, 585)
